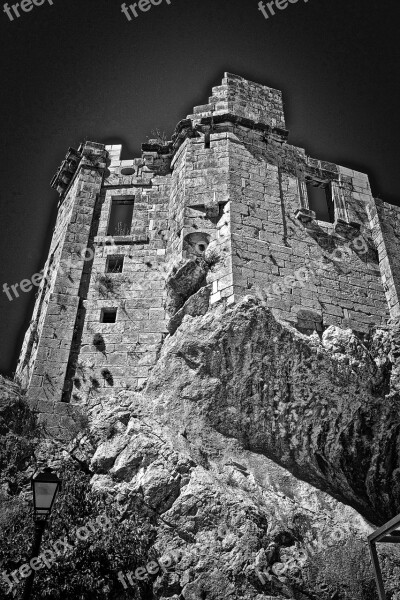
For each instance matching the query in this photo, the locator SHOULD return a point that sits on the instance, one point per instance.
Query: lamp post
(45, 486)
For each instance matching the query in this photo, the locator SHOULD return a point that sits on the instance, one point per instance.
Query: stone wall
(220, 211)
(128, 347)
(238, 96)
(43, 363)
(385, 223)
(341, 284)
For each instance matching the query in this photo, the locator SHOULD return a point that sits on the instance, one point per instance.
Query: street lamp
(45, 486)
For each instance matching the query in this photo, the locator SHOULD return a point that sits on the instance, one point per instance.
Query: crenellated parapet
(226, 208)
(89, 154)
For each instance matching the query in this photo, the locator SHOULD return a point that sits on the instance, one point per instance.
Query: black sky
(80, 70)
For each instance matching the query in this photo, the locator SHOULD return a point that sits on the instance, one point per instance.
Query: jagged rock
(196, 305)
(241, 447)
(235, 402)
(264, 384)
(183, 281)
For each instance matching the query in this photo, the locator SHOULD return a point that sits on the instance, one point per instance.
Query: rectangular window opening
(108, 315)
(121, 215)
(115, 264)
(320, 201)
(207, 141)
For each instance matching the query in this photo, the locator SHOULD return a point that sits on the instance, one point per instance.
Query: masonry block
(222, 209)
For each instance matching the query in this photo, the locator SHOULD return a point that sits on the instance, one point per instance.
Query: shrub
(212, 257)
(88, 570)
(122, 229)
(158, 137)
(19, 431)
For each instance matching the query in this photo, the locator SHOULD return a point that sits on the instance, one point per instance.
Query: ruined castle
(225, 208)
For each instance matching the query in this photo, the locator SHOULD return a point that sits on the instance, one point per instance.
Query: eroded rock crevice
(311, 405)
(255, 445)
(187, 290)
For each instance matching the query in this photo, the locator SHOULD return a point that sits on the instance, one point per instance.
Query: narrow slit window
(108, 315)
(207, 141)
(115, 264)
(121, 215)
(320, 201)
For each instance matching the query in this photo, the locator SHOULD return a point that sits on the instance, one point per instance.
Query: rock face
(255, 445)
(249, 432)
(316, 407)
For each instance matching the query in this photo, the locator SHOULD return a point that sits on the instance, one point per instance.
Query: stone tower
(226, 208)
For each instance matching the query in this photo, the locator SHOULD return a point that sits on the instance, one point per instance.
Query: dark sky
(80, 70)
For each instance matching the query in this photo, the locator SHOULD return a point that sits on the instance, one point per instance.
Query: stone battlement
(227, 207)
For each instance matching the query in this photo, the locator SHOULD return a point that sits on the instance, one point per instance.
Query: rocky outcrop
(183, 281)
(323, 409)
(253, 445)
(197, 305)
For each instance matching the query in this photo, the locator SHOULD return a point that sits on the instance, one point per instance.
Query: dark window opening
(207, 140)
(320, 201)
(108, 315)
(121, 216)
(128, 171)
(115, 264)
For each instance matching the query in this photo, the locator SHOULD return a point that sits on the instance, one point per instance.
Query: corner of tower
(244, 99)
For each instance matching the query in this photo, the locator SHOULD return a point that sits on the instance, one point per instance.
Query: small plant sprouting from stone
(122, 229)
(98, 343)
(105, 284)
(158, 137)
(107, 376)
(116, 268)
(34, 330)
(212, 257)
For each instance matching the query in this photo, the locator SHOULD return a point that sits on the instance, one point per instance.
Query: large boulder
(265, 455)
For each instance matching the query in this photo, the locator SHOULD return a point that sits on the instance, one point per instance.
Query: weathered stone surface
(320, 409)
(184, 281)
(234, 398)
(228, 180)
(251, 419)
(197, 305)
